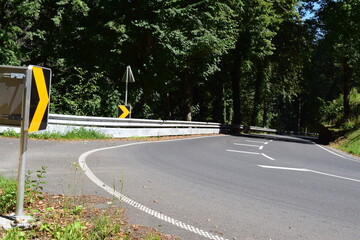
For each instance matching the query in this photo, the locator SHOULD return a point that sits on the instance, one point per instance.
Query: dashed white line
(121, 197)
(261, 147)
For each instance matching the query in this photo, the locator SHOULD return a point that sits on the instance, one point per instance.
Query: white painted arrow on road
(308, 170)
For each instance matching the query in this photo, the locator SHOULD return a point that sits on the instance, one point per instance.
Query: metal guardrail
(59, 119)
(121, 128)
(125, 127)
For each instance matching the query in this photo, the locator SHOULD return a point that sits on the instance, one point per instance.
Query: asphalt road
(220, 187)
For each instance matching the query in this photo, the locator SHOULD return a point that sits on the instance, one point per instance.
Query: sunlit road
(220, 187)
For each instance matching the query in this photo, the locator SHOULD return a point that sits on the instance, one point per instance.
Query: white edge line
(335, 153)
(121, 197)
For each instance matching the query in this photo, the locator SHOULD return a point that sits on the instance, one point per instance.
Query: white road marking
(336, 154)
(236, 151)
(261, 147)
(309, 170)
(268, 157)
(285, 168)
(256, 141)
(246, 145)
(254, 153)
(121, 197)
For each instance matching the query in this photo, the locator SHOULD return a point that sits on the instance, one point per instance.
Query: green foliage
(7, 195)
(76, 134)
(72, 231)
(34, 185)
(75, 230)
(15, 234)
(15, 17)
(151, 236)
(82, 133)
(247, 62)
(10, 133)
(104, 226)
(33, 188)
(351, 143)
(333, 114)
(85, 94)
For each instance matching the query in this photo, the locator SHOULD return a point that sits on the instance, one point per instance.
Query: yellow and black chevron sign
(39, 98)
(124, 111)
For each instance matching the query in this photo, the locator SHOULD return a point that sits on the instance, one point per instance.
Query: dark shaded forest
(284, 64)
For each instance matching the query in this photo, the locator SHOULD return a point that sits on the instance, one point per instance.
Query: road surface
(218, 187)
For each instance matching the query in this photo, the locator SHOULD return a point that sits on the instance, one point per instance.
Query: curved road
(219, 187)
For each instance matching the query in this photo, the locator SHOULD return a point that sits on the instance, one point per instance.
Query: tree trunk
(218, 98)
(258, 93)
(235, 81)
(346, 88)
(188, 97)
(265, 114)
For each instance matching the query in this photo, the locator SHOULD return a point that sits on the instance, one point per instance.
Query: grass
(7, 195)
(75, 134)
(68, 217)
(350, 143)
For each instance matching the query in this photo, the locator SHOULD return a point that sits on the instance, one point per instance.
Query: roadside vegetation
(68, 217)
(349, 143)
(246, 62)
(75, 134)
(342, 131)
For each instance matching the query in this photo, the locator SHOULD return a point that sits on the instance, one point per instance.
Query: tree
(340, 23)
(184, 41)
(16, 19)
(259, 21)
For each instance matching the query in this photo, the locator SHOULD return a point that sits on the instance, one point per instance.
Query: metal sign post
(19, 212)
(127, 77)
(35, 85)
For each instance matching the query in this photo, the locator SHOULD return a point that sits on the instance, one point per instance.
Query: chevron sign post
(24, 102)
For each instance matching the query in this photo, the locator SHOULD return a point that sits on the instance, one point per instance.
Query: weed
(104, 227)
(351, 143)
(77, 210)
(15, 234)
(7, 195)
(34, 187)
(32, 193)
(75, 134)
(152, 236)
(10, 133)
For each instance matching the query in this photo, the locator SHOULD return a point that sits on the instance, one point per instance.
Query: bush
(85, 94)
(333, 112)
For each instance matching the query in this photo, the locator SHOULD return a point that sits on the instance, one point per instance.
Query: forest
(284, 64)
